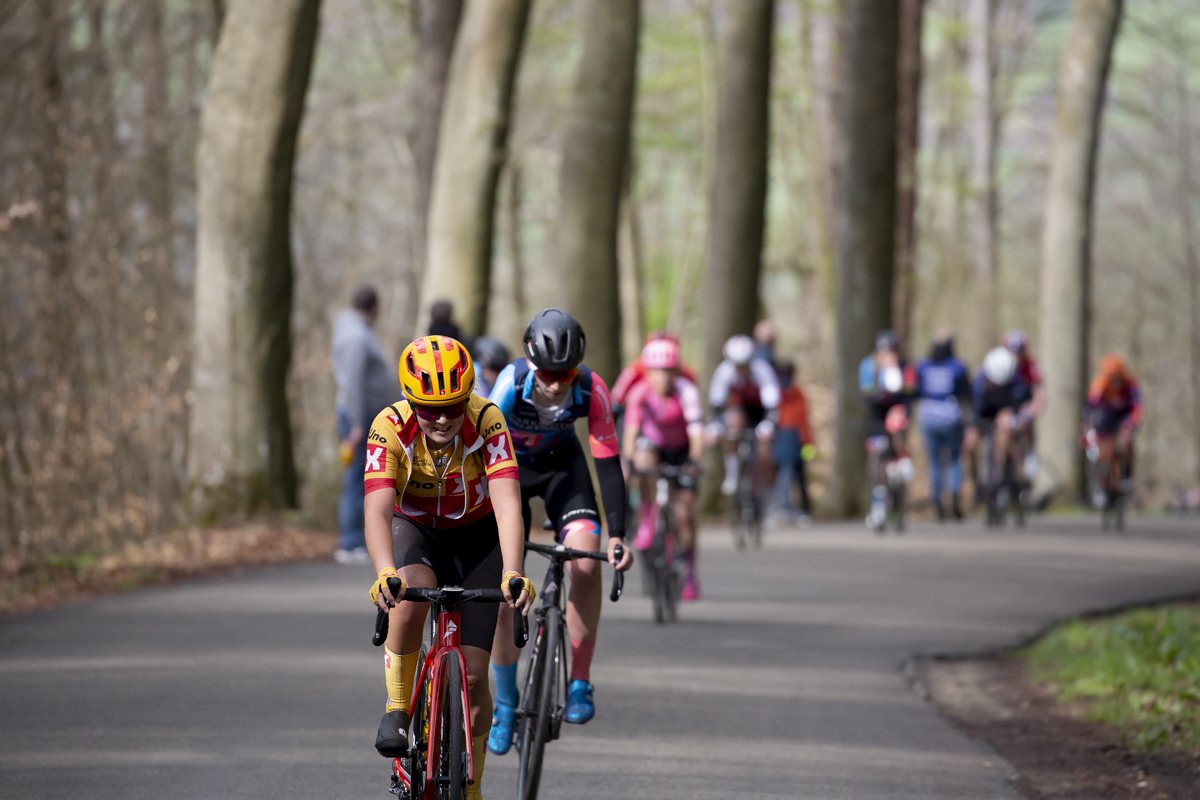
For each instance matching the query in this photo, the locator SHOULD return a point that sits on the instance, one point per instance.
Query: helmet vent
(441, 383)
(433, 340)
(411, 365)
(454, 383)
(426, 383)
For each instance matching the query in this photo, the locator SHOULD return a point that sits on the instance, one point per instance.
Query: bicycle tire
(451, 755)
(529, 697)
(538, 724)
(418, 741)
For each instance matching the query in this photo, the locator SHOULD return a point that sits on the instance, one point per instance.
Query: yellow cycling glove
(381, 581)
(528, 583)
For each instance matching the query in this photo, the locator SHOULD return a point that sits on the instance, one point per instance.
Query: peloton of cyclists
(887, 383)
(443, 507)
(744, 394)
(541, 395)
(1114, 409)
(664, 424)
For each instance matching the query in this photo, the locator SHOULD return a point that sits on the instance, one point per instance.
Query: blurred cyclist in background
(1114, 409)
(490, 356)
(997, 396)
(744, 393)
(887, 383)
(664, 424)
(636, 370)
(793, 445)
(944, 387)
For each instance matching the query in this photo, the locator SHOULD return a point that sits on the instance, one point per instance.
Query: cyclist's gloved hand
(525, 601)
(379, 588)
(764, 430)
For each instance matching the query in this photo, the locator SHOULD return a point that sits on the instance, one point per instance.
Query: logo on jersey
(374, 457)
(394, 419)
(497, 449)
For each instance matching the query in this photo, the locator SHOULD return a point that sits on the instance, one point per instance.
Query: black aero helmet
(554, 340)
(490, 353)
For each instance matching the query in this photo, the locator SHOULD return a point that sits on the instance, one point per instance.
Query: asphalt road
(783, 682)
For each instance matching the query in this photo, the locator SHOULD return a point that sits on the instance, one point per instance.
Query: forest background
(116, 232)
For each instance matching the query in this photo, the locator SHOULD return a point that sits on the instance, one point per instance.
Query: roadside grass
(1138, 671)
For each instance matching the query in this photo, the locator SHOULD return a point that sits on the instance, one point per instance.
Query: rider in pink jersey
(664, 424)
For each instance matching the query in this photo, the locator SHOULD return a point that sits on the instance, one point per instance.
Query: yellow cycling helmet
(436, 371)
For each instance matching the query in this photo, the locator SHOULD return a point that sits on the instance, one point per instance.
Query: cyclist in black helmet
(541, 395)
(490, 356)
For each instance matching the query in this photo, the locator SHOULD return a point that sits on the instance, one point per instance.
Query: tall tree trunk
(739, 192)
(240, 456)
(908, 125)
(633, 327)
(594, 166)
(476, 111)
(437, 23)
(1185, 203)
(866, 240)
(1067, 237)
(981, 71)
(156, 113)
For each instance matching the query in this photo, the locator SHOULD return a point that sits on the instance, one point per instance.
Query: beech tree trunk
(908, 123)
(437, 22)
(476, 113)
(240, 452)
(1066, 241)
(866, 239)
(594, 166)
(739, 192)
(633, 327)
(981, 71)
(156, 113)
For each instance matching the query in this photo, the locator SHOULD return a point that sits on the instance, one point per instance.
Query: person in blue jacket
(943, 389)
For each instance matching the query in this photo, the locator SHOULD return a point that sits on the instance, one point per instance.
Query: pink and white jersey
(665, 421)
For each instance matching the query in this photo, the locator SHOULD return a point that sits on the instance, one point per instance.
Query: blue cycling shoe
(580, 706)
(500, 738)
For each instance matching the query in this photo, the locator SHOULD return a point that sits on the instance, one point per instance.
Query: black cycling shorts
(1108, 420)
(561, 478)
(467, 556)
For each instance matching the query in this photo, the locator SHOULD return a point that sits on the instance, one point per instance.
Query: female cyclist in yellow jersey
(443, 507)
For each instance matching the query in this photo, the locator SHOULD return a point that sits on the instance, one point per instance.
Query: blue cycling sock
(506, 684)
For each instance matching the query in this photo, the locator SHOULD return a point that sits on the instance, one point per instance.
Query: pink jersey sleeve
(602, 433)
(689, 401)
(629, 377)
(634, 406)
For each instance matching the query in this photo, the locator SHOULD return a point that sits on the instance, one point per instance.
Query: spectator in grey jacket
(366, 383)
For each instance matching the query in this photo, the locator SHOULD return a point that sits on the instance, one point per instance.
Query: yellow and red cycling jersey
(398, 458)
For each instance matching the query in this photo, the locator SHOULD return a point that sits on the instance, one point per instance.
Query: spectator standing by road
(943, 387)
(366, 383)
(441, 321)
(793, 441)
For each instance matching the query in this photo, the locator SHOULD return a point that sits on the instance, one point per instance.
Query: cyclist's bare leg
(584, 595)
(1003, 434)
(504, 652)
(645, 459)
(479, 691)
(970, 442)
(684, 501)
(406, 622)
(1107, 461)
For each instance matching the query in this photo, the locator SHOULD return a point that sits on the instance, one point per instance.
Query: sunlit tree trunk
(240, 451)
(595, 159)
(476, 113)
(437, 24)
(630, 266)
(981, 71)
(739, 191)
(866, 240)
(1066, 240)
(908, 116)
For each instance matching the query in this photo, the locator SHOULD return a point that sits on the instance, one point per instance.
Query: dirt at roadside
(1059, 754)
(174, 556)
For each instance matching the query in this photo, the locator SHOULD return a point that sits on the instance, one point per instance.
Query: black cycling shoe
(392, 739)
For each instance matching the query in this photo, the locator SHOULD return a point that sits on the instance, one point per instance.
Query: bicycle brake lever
(520, 624)
(618, 584)
(381, 616)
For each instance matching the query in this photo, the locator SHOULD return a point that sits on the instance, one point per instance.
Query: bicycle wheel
(536, 730)
(418, 741)
(897, 498)
(450, 755)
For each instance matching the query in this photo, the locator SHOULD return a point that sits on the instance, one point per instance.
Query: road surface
(783, 682)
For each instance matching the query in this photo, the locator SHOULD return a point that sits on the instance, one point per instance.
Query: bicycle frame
(445, 644)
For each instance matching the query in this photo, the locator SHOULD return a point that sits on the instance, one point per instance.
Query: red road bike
(439, 764)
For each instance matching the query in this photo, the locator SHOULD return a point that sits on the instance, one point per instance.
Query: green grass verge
(1138, 671)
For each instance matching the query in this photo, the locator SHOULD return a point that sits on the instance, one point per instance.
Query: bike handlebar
(560, 552)
(451, 596)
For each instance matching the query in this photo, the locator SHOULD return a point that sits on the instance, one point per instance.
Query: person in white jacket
(743, 393)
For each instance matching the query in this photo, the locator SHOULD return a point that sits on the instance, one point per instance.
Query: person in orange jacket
(793, 441)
